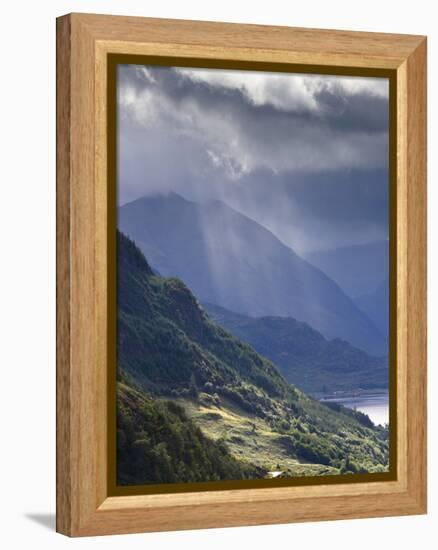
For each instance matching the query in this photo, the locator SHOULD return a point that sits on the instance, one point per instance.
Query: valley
(229, 260)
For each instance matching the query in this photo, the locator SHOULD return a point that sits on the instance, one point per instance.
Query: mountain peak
(176, 197)
(160, 197)
(129, 252)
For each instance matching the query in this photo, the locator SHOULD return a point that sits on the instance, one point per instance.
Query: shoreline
(346, 394)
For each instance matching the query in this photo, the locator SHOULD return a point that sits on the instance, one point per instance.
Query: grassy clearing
(250, 438)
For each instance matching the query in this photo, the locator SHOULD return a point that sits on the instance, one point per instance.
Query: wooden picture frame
(84, 210)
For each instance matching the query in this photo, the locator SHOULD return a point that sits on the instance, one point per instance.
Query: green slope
(170, 348)
(167, 343)
(157, 443)
(303, 355)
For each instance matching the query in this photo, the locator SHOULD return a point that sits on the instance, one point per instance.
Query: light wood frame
(83, 504)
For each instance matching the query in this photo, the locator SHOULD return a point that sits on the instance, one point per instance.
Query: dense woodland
(158, 443)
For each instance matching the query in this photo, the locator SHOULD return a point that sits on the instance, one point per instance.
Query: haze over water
(375, 406)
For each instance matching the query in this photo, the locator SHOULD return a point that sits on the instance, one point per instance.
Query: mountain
(230, 260)
(166, 342)
(169, 349)
(303, 355)
(376, 306)
(358, 269)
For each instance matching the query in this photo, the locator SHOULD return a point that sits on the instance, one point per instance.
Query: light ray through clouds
(304, 155)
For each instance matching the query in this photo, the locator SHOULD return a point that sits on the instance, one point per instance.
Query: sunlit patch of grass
(251, 438)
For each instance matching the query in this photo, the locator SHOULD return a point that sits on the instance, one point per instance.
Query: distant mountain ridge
(230, 260)
(303, 356)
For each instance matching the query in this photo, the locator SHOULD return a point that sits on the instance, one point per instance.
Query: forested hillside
(172, 351)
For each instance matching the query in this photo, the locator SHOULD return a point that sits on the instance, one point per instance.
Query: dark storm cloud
(331, 130)
(311, 148)
(360, 112)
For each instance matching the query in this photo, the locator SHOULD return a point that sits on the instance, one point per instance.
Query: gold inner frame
(109, 62)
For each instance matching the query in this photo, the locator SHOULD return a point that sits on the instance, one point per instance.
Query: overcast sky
(305, 155)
